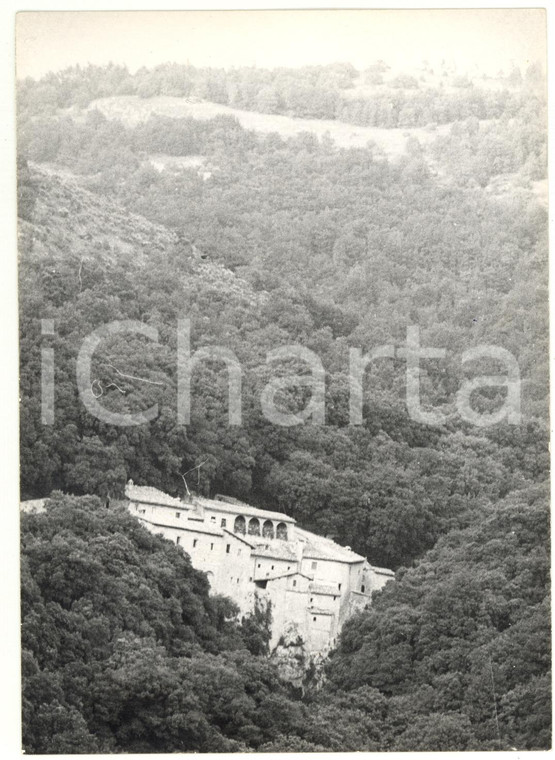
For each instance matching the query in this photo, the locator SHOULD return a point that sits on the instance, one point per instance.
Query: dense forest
(263, 241)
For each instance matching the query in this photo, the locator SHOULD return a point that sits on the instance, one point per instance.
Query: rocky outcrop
(302, 669)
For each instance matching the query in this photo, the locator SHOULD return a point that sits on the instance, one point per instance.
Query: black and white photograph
(283, 345)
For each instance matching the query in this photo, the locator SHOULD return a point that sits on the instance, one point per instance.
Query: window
(211, 547)
(213, 519)
(311, 599)
(195, 541)
(142, 511)
(254, 527)
(272, 567)
(237, 580)
(363, 588)
(289, 567)
(281, 531)
(339, 586)
(294, 583)
(250, 579)
(224, 522)
(314, 619)
(228, 548)
(268, 529)
(178, 540)
(178, 514)
(314, 565)
(258, 565)
(334, 598)
(240, 525)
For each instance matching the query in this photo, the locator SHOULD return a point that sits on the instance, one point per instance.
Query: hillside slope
(131, 110)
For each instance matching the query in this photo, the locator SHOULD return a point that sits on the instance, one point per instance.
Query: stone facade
(312, 583)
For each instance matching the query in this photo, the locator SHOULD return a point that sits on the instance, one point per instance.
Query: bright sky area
(484, 39)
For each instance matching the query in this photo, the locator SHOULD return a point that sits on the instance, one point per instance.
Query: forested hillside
(264, 242)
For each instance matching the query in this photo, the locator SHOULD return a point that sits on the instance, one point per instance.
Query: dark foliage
(309, 244)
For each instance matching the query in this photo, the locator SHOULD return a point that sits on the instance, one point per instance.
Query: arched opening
(268, 529)
(210, 576)
(281, 531)
(240, 525)
(254, 527)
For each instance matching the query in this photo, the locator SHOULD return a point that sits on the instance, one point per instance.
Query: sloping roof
(278, 550)
(238, 508)
(33, 505)
(184, 527)
(240, 537)
(323, 588)
(287, 574)
(151, 495)
(383, 571)
(318, 547)
(261, 575)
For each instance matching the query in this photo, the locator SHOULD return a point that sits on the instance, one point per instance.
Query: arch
(281, 531)
(254, 526)
(210, 576)
(268, 529)
(240, 525)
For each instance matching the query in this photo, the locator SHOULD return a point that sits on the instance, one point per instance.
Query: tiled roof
(269, 575)
(383, 571)
(33, 505)
(318, 547)
(242, 509)
(151, 495)
(322, 588)
(194, 528)
(239, 537)
(276, 550)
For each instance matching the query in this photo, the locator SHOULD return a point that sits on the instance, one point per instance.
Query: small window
(178, 540)
(339, 586)
(314, 619)
(178, 514)
(258, 565)
(237, 580)
(211, 547)
(363, 588)
(272, 567)
(228, 548)
(334, 598)
(213, 519)
(311, 599)
(224, 522)
(195, 542)
(294, 583)
(289, 567)
(250, 579)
